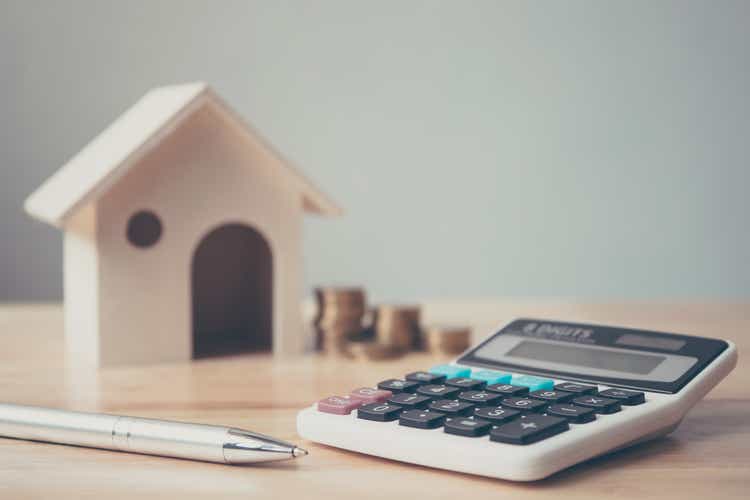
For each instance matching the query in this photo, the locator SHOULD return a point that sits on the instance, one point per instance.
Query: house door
(232, 292)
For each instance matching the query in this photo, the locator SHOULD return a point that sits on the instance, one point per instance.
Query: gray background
(585, 149)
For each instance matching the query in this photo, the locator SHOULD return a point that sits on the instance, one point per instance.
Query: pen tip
(298, 452)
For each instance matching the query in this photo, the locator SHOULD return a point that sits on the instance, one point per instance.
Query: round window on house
(144, 229)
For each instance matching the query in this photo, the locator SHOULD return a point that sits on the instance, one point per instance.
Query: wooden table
(707, 457)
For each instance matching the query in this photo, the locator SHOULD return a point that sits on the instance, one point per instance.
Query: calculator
(534, 398)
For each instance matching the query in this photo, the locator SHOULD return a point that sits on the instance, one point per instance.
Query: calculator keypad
(516, 409)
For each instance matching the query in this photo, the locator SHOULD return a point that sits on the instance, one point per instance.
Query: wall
(574, 149)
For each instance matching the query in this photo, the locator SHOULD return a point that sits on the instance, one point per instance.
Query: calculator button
(529, 429)
(523, 404)
(397, 385)
(480, 397)
(425, 378)
(467, 426)
(572, 413)
(465, 383)
(421, 419)
(408, 400)
(599, 404)
(552, 396)
(438, 391)
(379, 412)
(533, 383)
(496, 414)
(338, 405)
(508, 389)
(451, 407)
(370, 395)
(627, 398)
(491, 376)
(451, 371)
(577, 389)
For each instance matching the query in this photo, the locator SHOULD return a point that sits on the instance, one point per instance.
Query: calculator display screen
(619, 357)
(630, 362)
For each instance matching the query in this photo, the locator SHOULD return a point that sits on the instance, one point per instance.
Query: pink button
(370, 395)
(338, 405)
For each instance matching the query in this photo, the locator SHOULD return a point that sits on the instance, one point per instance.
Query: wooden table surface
(708, 456)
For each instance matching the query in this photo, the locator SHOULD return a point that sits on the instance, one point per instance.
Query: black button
(496, 414)
(523, 404)
(577, 389)
(529, 429)
(396, 385)
(552, 396)
(599, 404)
(410, 401)
(467, 426)
(421, 419)
(572, 413)
(627, 398)
(480, 397)
(508, 389)
(438, 391)
(425, 378)
(379, 412)
(451, 407)
(466, 383)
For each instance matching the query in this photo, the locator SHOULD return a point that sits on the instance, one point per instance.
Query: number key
(577, 389)
(552, 396)
(496, 414)
(480, 397)
(379, 412)
(508, 389)
(421, 419)
(523, 404)
(408, 400)
(465, 383)
(451, 407)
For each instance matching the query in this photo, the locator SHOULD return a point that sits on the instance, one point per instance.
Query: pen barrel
(129, 434)
(173, 439)
(56, 426)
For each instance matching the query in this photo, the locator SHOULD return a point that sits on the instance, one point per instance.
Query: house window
(144, 229)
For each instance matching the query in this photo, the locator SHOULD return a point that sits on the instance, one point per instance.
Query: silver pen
(211, 443)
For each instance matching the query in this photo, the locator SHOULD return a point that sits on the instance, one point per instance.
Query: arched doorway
(232, 287)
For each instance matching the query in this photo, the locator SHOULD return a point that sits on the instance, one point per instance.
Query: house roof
(99, 165)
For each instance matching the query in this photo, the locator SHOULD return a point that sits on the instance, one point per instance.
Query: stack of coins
(397, 326)
(340, 312)
(443, 339)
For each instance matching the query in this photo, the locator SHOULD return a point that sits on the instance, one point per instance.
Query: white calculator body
(534, 398)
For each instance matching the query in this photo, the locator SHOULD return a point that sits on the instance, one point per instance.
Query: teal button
(451, 371)
(533, 383)
(491, 376)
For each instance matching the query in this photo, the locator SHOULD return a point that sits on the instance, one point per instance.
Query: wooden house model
(182, 235)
